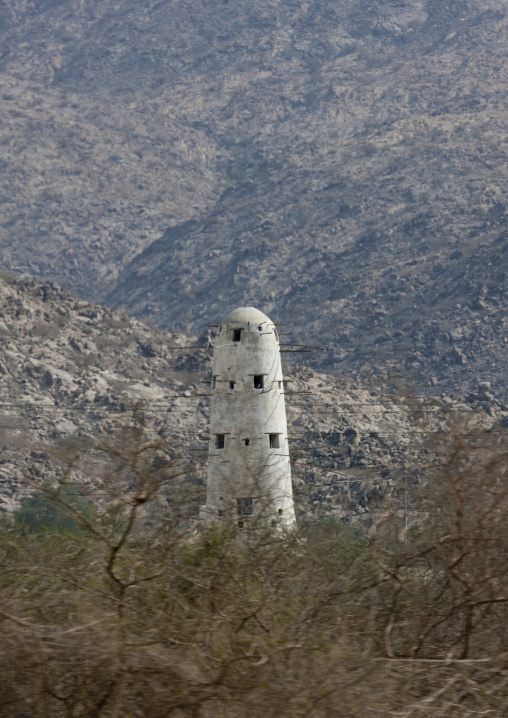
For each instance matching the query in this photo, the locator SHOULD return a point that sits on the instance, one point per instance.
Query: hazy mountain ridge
(340, 165)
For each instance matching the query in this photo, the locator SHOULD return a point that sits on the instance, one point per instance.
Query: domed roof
(244, 315)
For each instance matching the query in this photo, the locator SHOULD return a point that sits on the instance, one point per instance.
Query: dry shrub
(142, 612)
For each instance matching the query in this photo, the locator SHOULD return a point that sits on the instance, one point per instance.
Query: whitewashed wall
(248, 474)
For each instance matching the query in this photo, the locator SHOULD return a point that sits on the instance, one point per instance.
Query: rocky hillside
(343, 166)
(72, 372)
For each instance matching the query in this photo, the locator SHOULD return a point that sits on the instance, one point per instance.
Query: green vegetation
(50, 511)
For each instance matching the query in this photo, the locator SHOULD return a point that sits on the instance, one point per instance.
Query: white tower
(249, 475)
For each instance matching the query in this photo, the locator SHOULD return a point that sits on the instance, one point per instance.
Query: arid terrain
(74, 375)
(342, 166)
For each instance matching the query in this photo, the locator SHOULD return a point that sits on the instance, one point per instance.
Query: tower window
(232, 384)
(237, 335)
(246, 442)
(259, 381)
(280, 512)
(274, 441)
(214, 382)
(245, 507)
(220, 440)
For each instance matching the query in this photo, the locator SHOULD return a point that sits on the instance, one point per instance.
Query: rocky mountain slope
(343, 166)
(72, 372)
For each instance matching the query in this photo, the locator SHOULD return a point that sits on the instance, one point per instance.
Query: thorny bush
(129, 607)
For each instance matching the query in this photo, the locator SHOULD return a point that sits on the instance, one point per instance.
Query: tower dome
(249, 474)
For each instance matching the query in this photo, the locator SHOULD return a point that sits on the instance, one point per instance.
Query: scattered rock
(456, 356)
(65, 427)
(47, 379)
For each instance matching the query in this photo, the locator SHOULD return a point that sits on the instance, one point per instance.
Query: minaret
(249, 474)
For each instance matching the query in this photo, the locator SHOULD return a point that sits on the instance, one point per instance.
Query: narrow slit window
(240, 524)
(221, 513)
(214, 382)
(237, 335)
(220, 441)
(245, 507)
(274, 441)
(280, 512)
(259, 381)
(232, 384)
(246, 442)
